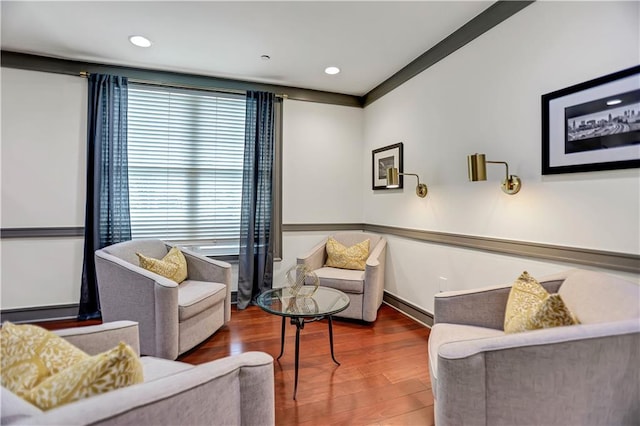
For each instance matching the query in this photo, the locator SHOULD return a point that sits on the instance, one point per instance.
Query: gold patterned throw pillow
(354, 257)
(31, 354)
(113, 369)
(531, 307)
(172, 266)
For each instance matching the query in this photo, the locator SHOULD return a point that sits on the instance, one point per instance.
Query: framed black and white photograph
(382, 159)
(593, 126)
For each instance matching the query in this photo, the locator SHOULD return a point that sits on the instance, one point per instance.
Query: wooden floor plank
(383, 378)
(416, 417)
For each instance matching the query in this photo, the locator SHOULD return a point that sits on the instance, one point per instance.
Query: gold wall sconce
(477, 167)
(393, 181)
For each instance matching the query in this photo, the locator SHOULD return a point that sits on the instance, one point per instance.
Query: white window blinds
(185, 166)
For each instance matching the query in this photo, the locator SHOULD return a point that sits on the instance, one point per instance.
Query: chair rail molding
(41, 232)
(626, 262)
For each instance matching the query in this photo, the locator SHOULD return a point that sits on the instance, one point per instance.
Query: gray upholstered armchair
(235, 390)
(365, 289)
(584, 374)
(172, 318)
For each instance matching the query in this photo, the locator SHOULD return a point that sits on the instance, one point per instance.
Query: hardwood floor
(383, 378)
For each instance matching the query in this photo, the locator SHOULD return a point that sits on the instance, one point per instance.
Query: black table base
(299, 322)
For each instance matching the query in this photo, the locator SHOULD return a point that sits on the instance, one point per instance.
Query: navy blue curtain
(107, 219)
(255, 272)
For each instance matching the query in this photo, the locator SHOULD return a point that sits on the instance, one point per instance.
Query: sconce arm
(411, 174)
(421, 188)
(511, 183)
(505, 164)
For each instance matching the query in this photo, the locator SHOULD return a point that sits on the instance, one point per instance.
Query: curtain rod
(86, 74)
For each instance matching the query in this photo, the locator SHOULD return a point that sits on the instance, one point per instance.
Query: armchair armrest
(374, 281)
(94, 339)
(129, 292)
(315, 258)
(563, 369)
(202, 268)
(235, 390)
(378, 252)
(546, 336)
(484, 307)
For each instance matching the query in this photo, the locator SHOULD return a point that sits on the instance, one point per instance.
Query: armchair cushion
(197, 296)
(31, 354)
(353, 257)
(531, 307)
(114, 369)
(156, 368)
(349, 281)
(172, 266)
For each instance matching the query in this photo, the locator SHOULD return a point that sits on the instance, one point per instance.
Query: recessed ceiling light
(614, 102)
(332, 70)
(140, 41)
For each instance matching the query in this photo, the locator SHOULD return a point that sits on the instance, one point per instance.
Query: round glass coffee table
(309, 305)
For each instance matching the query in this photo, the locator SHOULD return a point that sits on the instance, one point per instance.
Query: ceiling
(368, 40)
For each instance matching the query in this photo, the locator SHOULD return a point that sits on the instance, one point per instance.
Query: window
(186, 151)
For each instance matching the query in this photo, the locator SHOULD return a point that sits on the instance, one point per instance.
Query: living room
(484, 97)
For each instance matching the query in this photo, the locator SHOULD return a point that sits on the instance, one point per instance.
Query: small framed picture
(593, 126)
(382, 159)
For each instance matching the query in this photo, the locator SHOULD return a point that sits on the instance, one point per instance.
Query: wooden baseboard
(40, 313)
(408, 309)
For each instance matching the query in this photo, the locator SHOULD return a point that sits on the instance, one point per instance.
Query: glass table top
(307, 303)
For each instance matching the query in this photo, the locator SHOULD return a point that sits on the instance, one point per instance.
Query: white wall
(486, 98)
(43, 185)
(43, 180)
(43, 149)
(322, 163)
(40, 272)
(483, 98)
